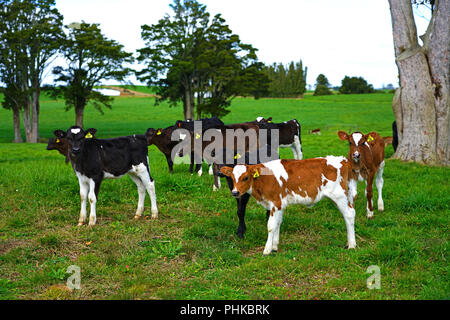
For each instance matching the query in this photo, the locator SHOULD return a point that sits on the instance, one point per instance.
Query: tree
(91, 58)
(352, 85)
(322, 86)
(30, 33)
(286, 82)
(421, 103)
(225, 68)
(197, 60)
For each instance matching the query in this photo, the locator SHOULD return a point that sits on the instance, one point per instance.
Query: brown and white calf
(278, 183)
(366, 154)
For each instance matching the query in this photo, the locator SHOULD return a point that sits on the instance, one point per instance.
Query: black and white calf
(289, 134)
(96, 159)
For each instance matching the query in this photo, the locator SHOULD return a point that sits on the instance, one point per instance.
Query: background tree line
(189, 57)
(286, 82)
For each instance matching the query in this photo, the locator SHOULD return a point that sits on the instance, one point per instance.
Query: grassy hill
(191, 251)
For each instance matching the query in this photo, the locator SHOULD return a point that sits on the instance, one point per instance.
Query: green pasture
(191, 251)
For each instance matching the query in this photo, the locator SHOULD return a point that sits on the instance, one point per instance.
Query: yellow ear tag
(57, 140)
(270, 121)
(256, 174)
(197, 136)
(370, 138)
(88, 136)
(237, 156)
(158, 132)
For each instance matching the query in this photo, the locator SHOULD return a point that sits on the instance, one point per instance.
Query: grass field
(191, 251)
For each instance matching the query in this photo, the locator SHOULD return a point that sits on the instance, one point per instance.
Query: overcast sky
(336, 38)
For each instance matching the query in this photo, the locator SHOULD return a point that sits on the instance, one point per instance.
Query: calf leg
(141, 193)
(369, 195)
(352, 191)
(272, 225)
(211, 171)
(169, 163)
(149, 184)
(84, 189)
(348, 212)
(294, 151)
(199, 169)
(216, 185)
(94, 188)
(298, 148)
(241, 206)
(379, 182)
(276, 235)
(191, 166)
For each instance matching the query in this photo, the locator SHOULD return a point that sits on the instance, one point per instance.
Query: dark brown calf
(161, 138)
(61, 145)
(366, 154)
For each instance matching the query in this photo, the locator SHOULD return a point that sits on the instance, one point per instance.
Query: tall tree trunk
(26, 118)
(419, 112)
(79, 115)
(188, 103)
(35, 117)
(16, 125)
(438, 57)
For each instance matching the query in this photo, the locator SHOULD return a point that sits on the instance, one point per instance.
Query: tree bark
(79, 115)
(188, 102)
(35, 117)
(420, 114)
(438, 56)
(16, 125)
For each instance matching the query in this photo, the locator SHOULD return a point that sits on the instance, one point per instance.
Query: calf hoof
(215, 188)
(136, 217)
(154, 214)
(352, 246)
(240, 234)
(369, 214)
(80, 223)
(91, 224)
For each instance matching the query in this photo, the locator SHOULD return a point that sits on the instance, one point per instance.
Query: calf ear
(255, 173)
(342, 135)
(370, 137)
(92, 131)
(59, 133)
(227, 171)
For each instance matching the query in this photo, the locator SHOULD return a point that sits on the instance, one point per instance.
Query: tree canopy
(322, 86)
(355, 85)
(192, 58)
(30, 33)
(286, 82)
(91, 58)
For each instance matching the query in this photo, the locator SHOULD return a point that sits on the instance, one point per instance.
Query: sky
(336, 38)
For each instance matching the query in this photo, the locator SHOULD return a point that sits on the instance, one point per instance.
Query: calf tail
(387, 141)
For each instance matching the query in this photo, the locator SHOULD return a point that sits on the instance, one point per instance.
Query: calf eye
(245, 179)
